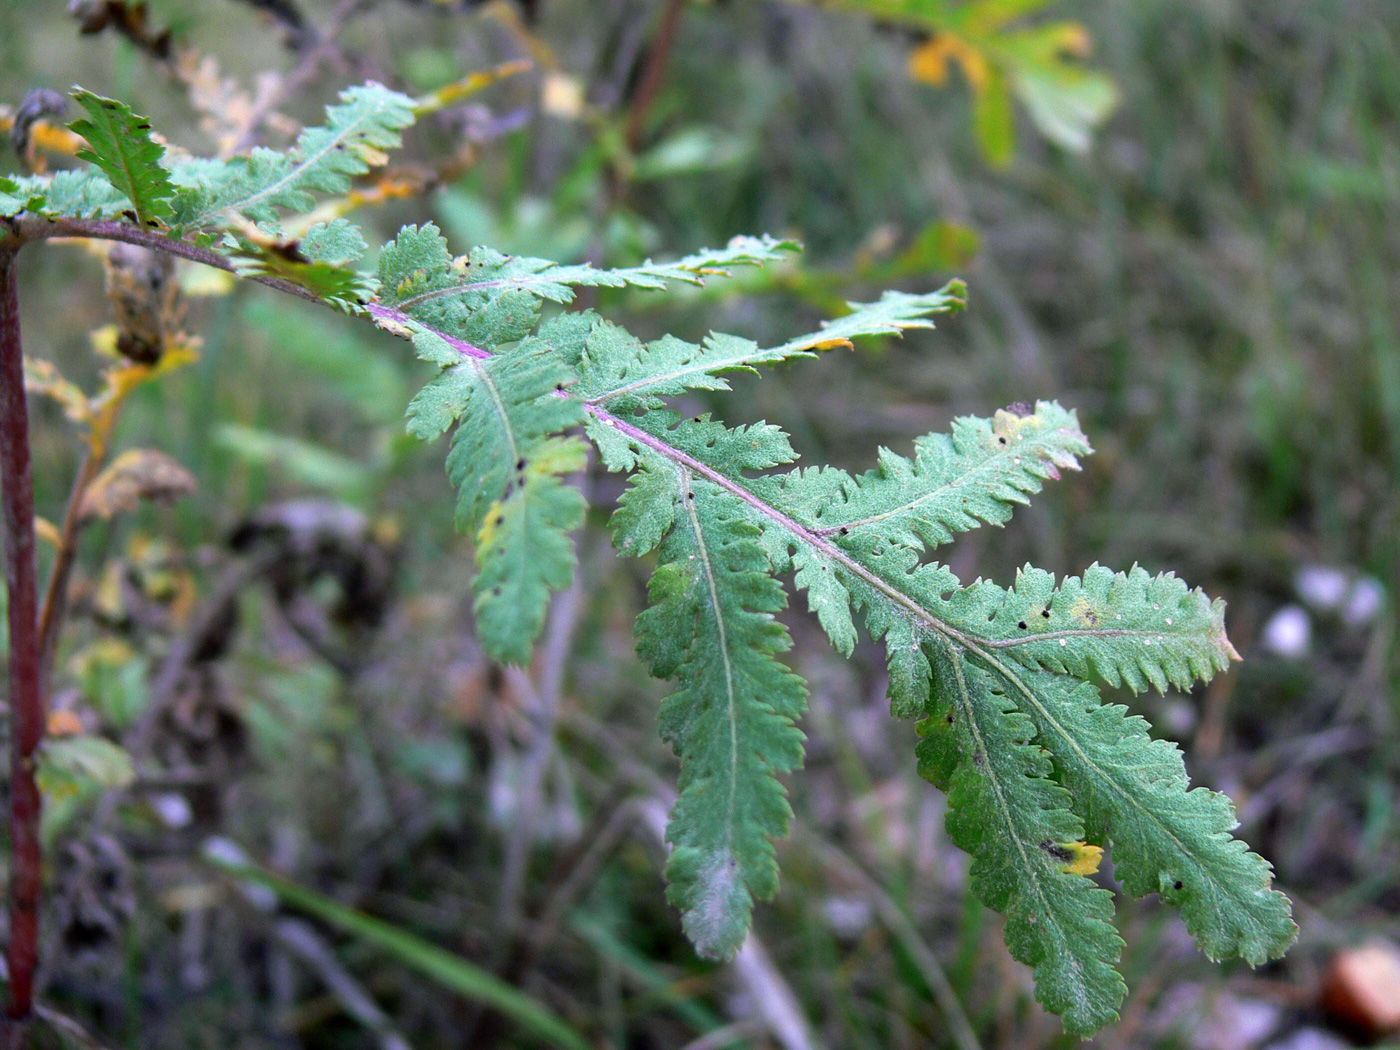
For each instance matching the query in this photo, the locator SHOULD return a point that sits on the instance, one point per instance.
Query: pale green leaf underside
(367, 122)
(623, 373)
(420, 278)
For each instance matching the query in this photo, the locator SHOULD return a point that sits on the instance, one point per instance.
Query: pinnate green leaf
(1041, 773)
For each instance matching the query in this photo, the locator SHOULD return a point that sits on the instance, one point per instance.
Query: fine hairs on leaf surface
(1042, 776)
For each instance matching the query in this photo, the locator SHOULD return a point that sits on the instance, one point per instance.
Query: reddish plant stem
(654, 72)
(26, 694)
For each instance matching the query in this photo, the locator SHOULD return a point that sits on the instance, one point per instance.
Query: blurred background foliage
(1176, 217)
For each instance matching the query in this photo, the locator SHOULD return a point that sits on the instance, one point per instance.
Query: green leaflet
(710, 627)
(1017, 823)
(420, 277)
(507, 463)
(319, 262)
(1135, 629)
(619, 371)
(20, 194)
(324, 159)
(85, 194)
(524, 549)
(954, 482)
(120, 144)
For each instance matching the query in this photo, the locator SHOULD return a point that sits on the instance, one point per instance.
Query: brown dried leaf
(131, 477)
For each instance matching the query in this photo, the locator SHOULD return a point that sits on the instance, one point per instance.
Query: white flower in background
(1322, 587)
(1364, 602)
(1288, 633)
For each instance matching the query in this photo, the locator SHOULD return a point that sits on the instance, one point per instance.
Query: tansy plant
(1041, 775)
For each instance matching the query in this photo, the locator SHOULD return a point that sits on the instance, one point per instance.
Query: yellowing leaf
(929, 62)
(451, 94)
(43, 377)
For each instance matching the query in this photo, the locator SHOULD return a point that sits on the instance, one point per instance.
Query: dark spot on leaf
(1177, 884)
(496, 591)
(978, 759)
(519, 464)
(845, 531)
(1060, 853)
(690, 495)
(1022, 625)
(1001, 441)
(1045, 613)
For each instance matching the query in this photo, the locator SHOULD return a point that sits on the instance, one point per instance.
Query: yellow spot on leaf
(1085, 613)
(1008, 425)
(1083, 858)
